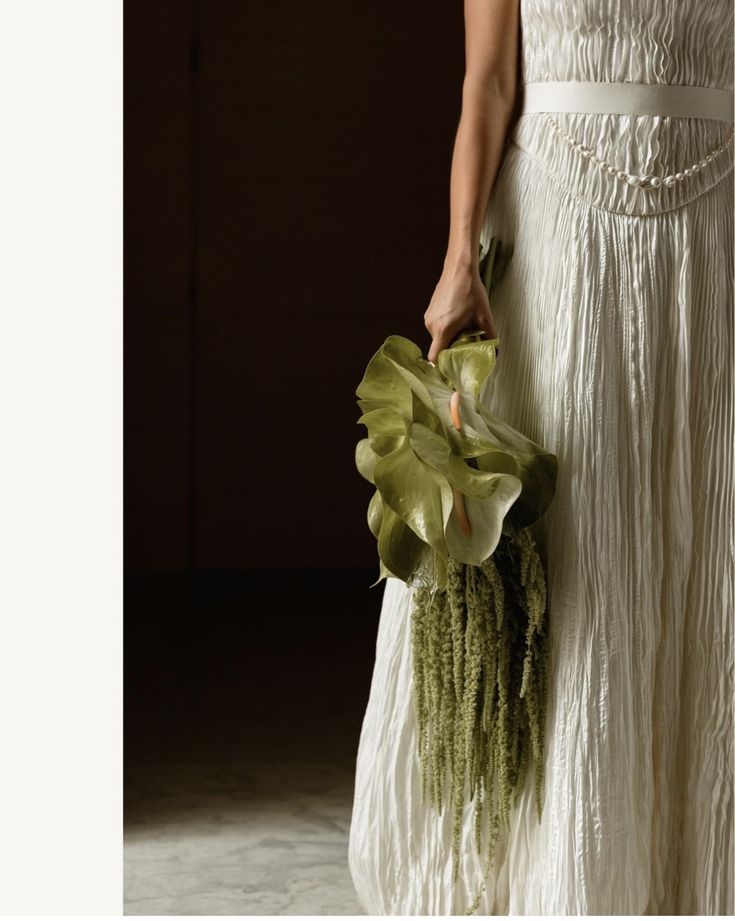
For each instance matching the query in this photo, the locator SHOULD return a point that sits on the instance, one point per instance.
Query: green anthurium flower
(468, 363)
(487, 497)
(449, 475)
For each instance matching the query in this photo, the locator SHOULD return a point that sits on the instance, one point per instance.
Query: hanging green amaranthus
(457, 492)
(479, 653)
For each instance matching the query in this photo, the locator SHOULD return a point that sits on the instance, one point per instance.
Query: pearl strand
(640, 182)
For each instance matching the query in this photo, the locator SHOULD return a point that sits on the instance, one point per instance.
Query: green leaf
(494, 262)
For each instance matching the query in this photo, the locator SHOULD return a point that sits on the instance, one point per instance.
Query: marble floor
(237, 839)
(240, 746)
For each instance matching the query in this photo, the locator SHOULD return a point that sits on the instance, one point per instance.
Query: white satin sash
(668, 99)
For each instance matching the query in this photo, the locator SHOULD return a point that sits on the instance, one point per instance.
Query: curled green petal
(473, 438)
(414, 493)
(496, 461)
(486, 518)
(365, 459)
(398, 375)
(375, 514)
(476, 483)
(384, 573)
(428, 416)
(430, 448)
(467, 365)
(401, 551)
(383, 386)
(386, 429)
(536, 468)
(421, 376)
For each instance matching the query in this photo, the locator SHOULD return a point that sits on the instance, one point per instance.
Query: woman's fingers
(442, 337)
(443, 334)
(486, 324)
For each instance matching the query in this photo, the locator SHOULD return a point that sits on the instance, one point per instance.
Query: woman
(615, 318)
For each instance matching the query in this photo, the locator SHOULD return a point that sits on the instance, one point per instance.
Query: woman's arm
(488, 99)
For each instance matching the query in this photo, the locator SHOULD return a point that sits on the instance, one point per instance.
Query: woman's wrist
(461, 262)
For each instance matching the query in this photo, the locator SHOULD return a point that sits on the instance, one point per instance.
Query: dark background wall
(286, 208)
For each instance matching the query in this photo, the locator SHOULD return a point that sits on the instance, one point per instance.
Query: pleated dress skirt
(617, 353)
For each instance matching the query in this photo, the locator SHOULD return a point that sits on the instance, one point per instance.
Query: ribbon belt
(678, 101)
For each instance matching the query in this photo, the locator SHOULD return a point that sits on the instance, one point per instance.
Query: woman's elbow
(497, 86)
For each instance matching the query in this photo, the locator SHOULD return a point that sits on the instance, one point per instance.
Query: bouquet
(458, 492)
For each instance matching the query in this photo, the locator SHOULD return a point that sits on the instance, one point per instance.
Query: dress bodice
(688, 42)
(637, 41)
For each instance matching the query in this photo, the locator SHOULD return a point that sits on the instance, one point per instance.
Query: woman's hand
(459, 302)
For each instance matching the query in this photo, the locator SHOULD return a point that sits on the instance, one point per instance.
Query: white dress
(617, 353)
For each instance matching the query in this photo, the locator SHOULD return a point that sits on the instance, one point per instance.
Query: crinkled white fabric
(618, 354)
